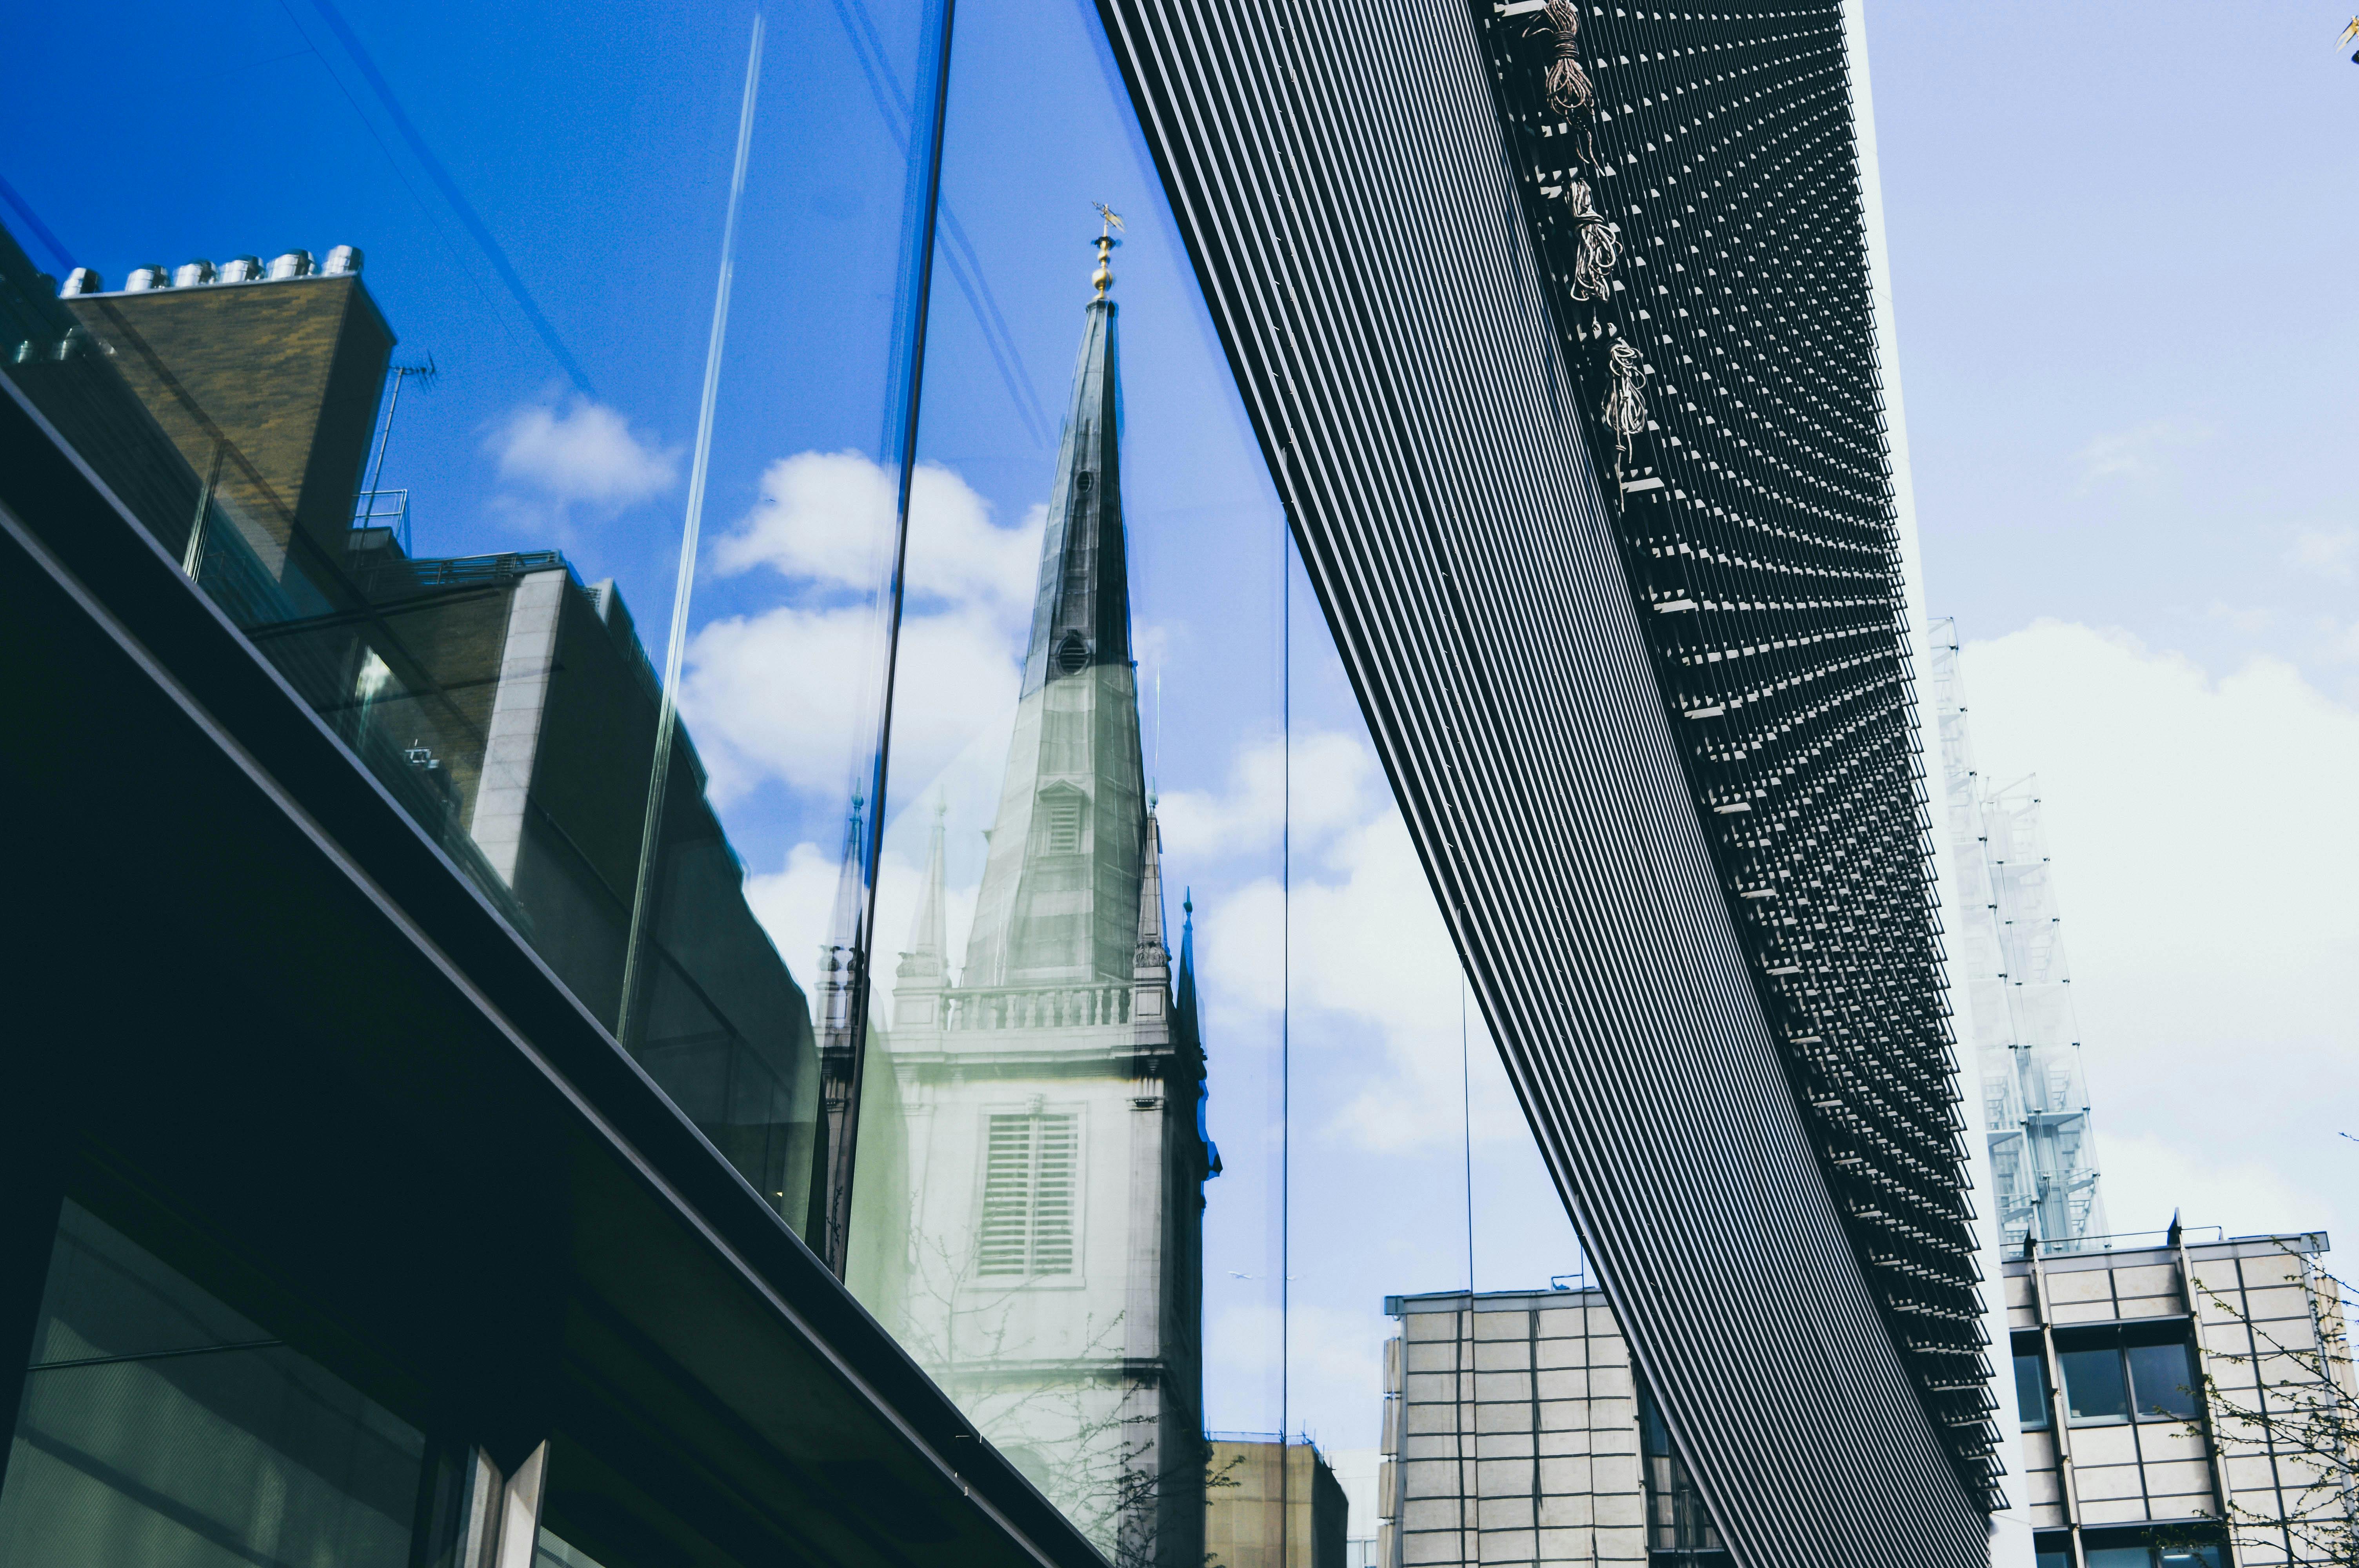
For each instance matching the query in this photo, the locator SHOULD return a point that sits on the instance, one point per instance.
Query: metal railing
(387, 509)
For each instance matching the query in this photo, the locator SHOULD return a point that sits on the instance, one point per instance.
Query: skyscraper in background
(2007, 951)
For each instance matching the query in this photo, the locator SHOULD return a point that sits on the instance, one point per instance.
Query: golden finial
(1105, 242)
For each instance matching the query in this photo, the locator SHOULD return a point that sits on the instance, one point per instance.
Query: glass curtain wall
(423, 393)
(1092, 1017)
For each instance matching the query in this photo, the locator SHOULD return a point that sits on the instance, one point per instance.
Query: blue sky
(2120, 238)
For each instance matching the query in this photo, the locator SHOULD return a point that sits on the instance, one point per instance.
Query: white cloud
(1374, 977)
(581, 451)
(2144, 455)
(2204, 865)
(2326, 552)
(1335, 1357)
(796, 904)
(1333, 777)
(791, 693)
(826, 518)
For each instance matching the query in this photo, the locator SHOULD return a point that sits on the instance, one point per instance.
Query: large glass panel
(160, 1427)
(2094, 1389)
(1038, 1202)
(2163, 1381)
(1167, 1078)
(436, 464)
(2030, 1389)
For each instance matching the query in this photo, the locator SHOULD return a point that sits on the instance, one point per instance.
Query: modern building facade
(1517, 1431)
(1256, 1517)
(2007, 952)
(1612, 532)
(2173, 1397)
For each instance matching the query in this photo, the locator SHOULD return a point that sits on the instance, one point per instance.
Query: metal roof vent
(294, 263)
(82, 280)
(143, 278)
(343, 259)
(192, 274)
(239, 269)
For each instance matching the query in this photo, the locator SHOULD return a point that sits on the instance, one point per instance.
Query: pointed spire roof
(1184, 1003)
(1153, 961)
(832, 1003)
(927, 960)
(1059, 902)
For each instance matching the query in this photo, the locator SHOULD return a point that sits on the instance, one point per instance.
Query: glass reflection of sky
(593, 140)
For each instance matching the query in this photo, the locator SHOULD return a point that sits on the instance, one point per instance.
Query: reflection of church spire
(925, 968)
(1152, 962)
(842, 948)
(1060, 901)
(925, 961)
(1184, 1004)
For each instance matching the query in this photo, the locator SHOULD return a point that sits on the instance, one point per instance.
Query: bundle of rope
(1625, 411)
(1566, 84)
(1596, 246)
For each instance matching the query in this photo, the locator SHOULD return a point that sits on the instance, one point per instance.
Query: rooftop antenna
(425, 372)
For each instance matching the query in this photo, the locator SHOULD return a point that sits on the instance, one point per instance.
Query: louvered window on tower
(1061, 825)
(1032, 1163)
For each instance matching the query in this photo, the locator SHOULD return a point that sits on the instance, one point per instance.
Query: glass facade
(784, 531)
(159, 1426)
(2144, 1372)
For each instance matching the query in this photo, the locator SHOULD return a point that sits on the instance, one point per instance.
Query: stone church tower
(1044, 1188)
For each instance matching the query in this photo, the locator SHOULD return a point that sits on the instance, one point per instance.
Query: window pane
(2030, 1392)
(2119, 1556)
(2163, 1378)
(2052, 1557)
(159, 1427)
(2093, 1387)
(2191, 1557)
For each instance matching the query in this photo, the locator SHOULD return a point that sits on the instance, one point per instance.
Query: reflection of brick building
(267, 385)
(1028, 1213)
(1243, 1505)
(509, 708)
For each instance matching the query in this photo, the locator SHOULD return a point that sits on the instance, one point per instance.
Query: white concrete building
(2139, 1371)
(1516, 1433)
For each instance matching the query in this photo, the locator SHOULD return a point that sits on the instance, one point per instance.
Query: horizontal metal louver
(1031, 1168)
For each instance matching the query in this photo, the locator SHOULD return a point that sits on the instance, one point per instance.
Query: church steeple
(1060, 901)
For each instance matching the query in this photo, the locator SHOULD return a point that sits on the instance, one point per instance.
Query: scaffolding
(2007, 951)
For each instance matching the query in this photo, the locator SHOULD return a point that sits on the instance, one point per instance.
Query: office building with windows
(1517, 1431)
(2179, 1401)
(1594, 464)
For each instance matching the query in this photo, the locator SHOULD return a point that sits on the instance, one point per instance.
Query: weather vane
(1106, 244)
